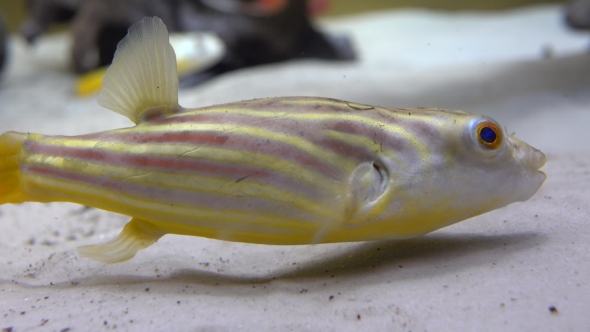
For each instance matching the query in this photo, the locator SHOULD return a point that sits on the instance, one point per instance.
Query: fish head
(495, 168)
(462, 165)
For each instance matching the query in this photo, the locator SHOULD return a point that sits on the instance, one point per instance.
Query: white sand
(500, 271)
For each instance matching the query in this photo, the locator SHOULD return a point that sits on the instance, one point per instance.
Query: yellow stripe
(232, 157)
(316, 117)
(345, 105)
(218, 186)
(424, 114)
(49, 189)
(323, 155)
(347, 108)
(363, 142)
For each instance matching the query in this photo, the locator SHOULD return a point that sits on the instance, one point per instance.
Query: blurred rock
(255, 32)
(578, 14)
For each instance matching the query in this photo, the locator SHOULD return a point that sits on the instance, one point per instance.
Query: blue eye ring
(489, 135)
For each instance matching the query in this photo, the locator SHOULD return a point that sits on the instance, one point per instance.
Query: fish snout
(531, 158)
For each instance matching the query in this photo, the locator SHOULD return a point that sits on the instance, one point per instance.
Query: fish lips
(531, 160)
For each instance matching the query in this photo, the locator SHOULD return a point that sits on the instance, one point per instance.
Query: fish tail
(10, 175)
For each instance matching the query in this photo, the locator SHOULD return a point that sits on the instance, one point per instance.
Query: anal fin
(136, 235)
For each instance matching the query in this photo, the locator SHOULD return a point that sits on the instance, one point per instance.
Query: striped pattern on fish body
(222, 164)
(293, 170)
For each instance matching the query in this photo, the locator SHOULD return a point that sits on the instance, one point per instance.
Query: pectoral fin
(365, 186)
(142, 80)
(138, 234)
(367, 183)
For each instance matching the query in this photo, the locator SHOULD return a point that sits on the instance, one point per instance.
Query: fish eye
(489, 135)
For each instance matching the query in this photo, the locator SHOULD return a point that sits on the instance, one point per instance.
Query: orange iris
(489, 134)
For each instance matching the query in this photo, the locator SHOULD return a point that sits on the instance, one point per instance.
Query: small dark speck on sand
(331, 297)
(147, 289)
(7, 329)
(553, 310)
(358, 317)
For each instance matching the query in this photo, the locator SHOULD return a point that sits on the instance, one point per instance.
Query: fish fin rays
(142, 80)
(339, 213)
(364, 188)
(327, 228)
(136, 235)
(368, 183)
(11, 188)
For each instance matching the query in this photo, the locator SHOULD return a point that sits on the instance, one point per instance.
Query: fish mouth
(532, 159)
(539, 161)
(540, 158)
(543, 174)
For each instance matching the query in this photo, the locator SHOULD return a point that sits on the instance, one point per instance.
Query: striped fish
(286, 171)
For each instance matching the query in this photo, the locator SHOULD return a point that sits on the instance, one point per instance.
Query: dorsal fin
(143, 75)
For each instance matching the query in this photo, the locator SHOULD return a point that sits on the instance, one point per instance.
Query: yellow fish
(283, 171)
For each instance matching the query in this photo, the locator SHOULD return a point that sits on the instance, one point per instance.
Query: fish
(274, 171)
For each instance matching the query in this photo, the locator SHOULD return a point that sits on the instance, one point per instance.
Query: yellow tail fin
(10, 188)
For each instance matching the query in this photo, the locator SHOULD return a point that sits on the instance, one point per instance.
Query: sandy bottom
(523, 267)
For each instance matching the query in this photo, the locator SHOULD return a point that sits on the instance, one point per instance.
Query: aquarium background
(15, 10)
(520, 268)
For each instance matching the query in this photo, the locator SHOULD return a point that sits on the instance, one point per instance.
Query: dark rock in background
(253, 35)
(578, 14)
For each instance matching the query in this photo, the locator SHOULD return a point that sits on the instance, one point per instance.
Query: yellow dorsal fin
(142, 78)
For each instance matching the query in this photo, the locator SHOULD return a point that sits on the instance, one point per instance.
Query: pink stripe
(232, 141)
(356, 152)
(178, 165)
(238, 200)
(381, 138)
(313, 130)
